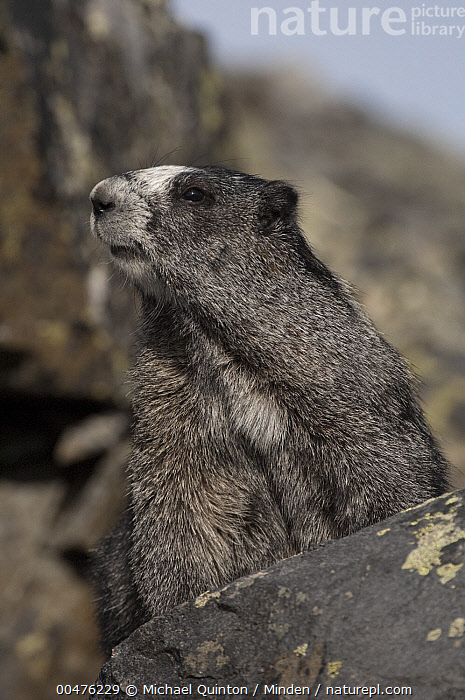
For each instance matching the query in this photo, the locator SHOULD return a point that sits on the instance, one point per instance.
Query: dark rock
(383, 606)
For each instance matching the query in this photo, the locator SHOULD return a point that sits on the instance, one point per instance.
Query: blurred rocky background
(92, 88)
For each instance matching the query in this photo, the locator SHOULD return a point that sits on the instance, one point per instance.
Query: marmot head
(177, 228)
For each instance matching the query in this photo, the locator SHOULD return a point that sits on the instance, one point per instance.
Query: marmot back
(269, 413)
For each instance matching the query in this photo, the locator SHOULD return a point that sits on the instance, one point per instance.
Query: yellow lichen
(333, 668)
(452, 499)
(204, 598)
(249, 580)
(200, 662)
(301, 650)
(433, 635)
(380, 533)
(280, 629)
(300, 597)
(284, 592)
(457, 627)
(448, 571)
(438, 532)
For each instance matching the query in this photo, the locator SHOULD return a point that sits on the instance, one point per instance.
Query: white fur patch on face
(158, 178)
(123, 209)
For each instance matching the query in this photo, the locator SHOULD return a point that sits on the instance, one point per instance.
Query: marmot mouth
(127, 251)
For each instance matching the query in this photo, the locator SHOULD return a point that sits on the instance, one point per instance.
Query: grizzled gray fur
(269, 413)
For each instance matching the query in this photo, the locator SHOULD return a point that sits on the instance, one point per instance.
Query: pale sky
(403, 60)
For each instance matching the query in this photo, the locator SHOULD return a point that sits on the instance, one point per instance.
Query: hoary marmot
(270, 415)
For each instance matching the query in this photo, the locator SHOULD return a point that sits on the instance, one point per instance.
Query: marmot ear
(278, 207)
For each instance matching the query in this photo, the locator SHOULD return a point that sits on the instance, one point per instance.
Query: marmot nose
(102, 199)
(101, 205)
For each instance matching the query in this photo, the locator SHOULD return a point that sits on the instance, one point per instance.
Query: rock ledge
(381, 608)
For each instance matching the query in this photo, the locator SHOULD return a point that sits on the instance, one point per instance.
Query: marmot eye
(193, 194)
